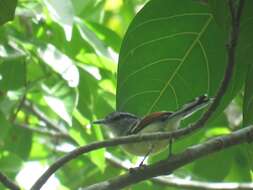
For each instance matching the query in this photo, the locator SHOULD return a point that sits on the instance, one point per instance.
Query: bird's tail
(193, 106)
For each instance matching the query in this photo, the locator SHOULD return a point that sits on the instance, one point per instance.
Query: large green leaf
(7, 10)
(220, 12)
(171, 54)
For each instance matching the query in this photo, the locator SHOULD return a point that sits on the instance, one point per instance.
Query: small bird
(123, 123)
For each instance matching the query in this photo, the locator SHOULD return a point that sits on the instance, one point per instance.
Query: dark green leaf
(82, 172)
(208, 166)
(12, 74)
(5, 127)
(240, 167)
(7, 10)
(9, 162)
(220, 12)
(19, 141)
(248, 99)
(248, 108)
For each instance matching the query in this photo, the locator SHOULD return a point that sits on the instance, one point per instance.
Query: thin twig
(55, 135)
(198, 185)
(166, 167)
(41, 116)
(50, 124)
(21, 103)
(7, 182)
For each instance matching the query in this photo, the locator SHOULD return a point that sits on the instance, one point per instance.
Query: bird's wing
(145, 121)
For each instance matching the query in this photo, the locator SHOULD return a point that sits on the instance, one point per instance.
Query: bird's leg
(146, 155)
(170, 147)
(141, 165)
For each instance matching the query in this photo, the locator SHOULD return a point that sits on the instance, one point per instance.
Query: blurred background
(58, 64)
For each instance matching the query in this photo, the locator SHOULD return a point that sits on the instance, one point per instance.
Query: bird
(124, 123)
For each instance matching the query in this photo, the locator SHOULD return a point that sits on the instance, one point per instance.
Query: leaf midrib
(180, 64)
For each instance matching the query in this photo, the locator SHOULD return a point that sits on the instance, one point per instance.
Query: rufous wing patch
(153, 117)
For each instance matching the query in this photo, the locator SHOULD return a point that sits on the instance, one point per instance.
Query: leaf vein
(145, 67)
(181, 63)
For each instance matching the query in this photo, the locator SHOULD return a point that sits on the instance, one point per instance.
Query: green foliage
(58, 65)
(7, 9)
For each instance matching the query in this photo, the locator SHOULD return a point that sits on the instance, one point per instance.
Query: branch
(50, 124)
(56, 135)
(41, 116)
(96, 145)
(166, 167)
(177, 182)
(197, 185)
(21, 103)
(7, 182)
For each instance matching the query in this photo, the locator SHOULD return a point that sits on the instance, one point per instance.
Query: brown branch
(174, 181)
(8, 183)
(94, 146)
(166, 167)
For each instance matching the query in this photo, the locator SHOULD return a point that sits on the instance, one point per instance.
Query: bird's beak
(101, 121)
